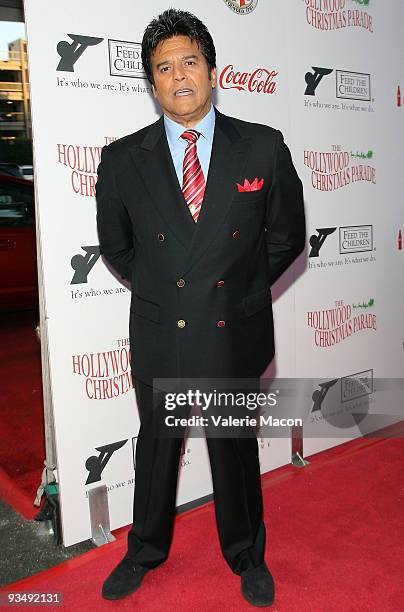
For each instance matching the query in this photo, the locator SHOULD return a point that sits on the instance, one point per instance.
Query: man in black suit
(202, 213)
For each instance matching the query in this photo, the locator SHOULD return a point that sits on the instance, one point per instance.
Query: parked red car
(18, 267)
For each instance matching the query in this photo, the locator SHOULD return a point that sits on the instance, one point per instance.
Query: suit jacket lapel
(228, 158)
(154, 162)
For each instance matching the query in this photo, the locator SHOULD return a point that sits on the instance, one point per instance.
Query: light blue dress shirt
(177, 145)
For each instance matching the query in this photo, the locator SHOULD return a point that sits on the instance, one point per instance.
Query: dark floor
(26, 548)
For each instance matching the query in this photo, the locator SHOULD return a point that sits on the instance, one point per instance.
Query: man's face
(181, 80)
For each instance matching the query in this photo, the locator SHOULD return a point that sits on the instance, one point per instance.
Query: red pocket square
(256, 185)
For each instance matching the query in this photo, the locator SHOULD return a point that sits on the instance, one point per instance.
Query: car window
(10, 171)
(16, 205)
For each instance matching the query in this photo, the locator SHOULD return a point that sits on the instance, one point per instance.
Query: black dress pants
(236, 484)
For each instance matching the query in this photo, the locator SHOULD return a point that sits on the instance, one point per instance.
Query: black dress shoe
(125, 579)
(257, 586)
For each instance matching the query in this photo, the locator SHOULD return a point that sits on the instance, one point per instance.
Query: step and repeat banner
(345, 68)
(327, 73)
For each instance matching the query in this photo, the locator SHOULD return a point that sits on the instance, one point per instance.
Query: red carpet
(22, 451)
(335, 543)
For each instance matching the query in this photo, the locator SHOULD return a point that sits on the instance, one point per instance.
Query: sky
(9, 31)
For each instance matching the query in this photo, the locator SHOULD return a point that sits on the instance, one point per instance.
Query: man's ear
(213, 77)
(154, 91)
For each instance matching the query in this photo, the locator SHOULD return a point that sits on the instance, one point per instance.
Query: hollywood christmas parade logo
(339, 322)
(339, 167)
(329, 15)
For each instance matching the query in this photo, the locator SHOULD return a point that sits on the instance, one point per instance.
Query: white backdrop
(353, 110)
(84, 95)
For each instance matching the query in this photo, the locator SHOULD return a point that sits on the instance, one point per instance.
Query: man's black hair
(173, 22)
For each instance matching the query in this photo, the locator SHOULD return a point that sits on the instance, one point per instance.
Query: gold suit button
(180, 282)
(236, 234)
(181, 323)
(221, 323)
(160, 237)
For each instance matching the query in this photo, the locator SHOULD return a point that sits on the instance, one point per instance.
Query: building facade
(15, 111)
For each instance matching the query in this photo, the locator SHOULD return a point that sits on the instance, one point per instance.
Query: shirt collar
(206, 127)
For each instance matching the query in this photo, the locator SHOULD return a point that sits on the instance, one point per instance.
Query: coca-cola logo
(260, 80)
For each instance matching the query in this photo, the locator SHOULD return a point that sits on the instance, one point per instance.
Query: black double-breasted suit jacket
(201, 299)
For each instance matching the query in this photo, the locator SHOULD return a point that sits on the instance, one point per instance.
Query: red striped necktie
(193, 182)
